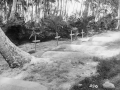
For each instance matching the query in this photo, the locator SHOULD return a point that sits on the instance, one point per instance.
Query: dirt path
(104, 45)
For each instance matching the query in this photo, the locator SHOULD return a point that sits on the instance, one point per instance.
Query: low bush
(107, 23)
(81, 23)
(89, 84)
(48, 27)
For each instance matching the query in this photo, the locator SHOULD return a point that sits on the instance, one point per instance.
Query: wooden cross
(33, 33)
(82, 33)
(34, 41)
(71, 35)
(57, 37)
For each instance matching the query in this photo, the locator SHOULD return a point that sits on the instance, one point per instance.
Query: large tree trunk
(13, 10)
(14, 56)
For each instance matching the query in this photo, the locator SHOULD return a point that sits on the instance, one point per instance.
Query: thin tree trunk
(13, 10)
(118, 25)
(45, 8)
(61, 8)
(13, 55)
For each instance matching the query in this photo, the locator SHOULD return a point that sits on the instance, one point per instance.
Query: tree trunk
(13, 55)
(13, 10)
(118, 26)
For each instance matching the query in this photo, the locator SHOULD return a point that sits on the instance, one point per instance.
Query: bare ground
(70, 62)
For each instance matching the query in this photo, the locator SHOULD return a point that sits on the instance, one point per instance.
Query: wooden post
(71, 35)
(57, 37)
(82, 33)
(36, 41)
(34, 33)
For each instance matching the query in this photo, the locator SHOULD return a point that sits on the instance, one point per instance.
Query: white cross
(34, 34)
(57, 37)
(82, 33)
(71, 35)
(36, 41)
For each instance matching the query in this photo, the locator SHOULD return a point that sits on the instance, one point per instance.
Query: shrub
(89, 84)
(107, 22)
(80, 23)
(48, 27)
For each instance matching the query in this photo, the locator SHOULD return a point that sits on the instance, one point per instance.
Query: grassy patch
(107, 69)
(115, 44)
(53, 75)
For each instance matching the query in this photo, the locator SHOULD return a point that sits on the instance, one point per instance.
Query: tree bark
(118, 25)
(13, 55)
(13, 10)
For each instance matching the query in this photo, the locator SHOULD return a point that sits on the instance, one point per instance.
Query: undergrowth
(56, 74)
(53, 75)
(107, 69)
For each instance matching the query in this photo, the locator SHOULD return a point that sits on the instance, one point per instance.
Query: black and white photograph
(59, 44)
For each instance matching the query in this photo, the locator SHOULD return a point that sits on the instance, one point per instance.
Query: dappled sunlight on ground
(105, 38)
(73, 62)
(104, 45)
(61, 66)
(108, 53)
(114, 44)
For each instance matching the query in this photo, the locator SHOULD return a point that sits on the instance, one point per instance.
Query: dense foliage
(97, 16)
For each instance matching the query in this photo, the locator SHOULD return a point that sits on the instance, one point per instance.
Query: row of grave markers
(75, 34)
(34, 33)
(71, 35)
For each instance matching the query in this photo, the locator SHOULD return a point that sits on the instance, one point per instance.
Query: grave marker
(36, 41)
(71, 35)
(82, 33)
(34, 33)
(74, 32)
(57, 37)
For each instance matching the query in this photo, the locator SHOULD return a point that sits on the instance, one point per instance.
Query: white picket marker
(57, 37)
(71, 35)
(36, 41)
(34, 33)
(82, 33)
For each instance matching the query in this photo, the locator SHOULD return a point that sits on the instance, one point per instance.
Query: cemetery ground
(68, 64)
